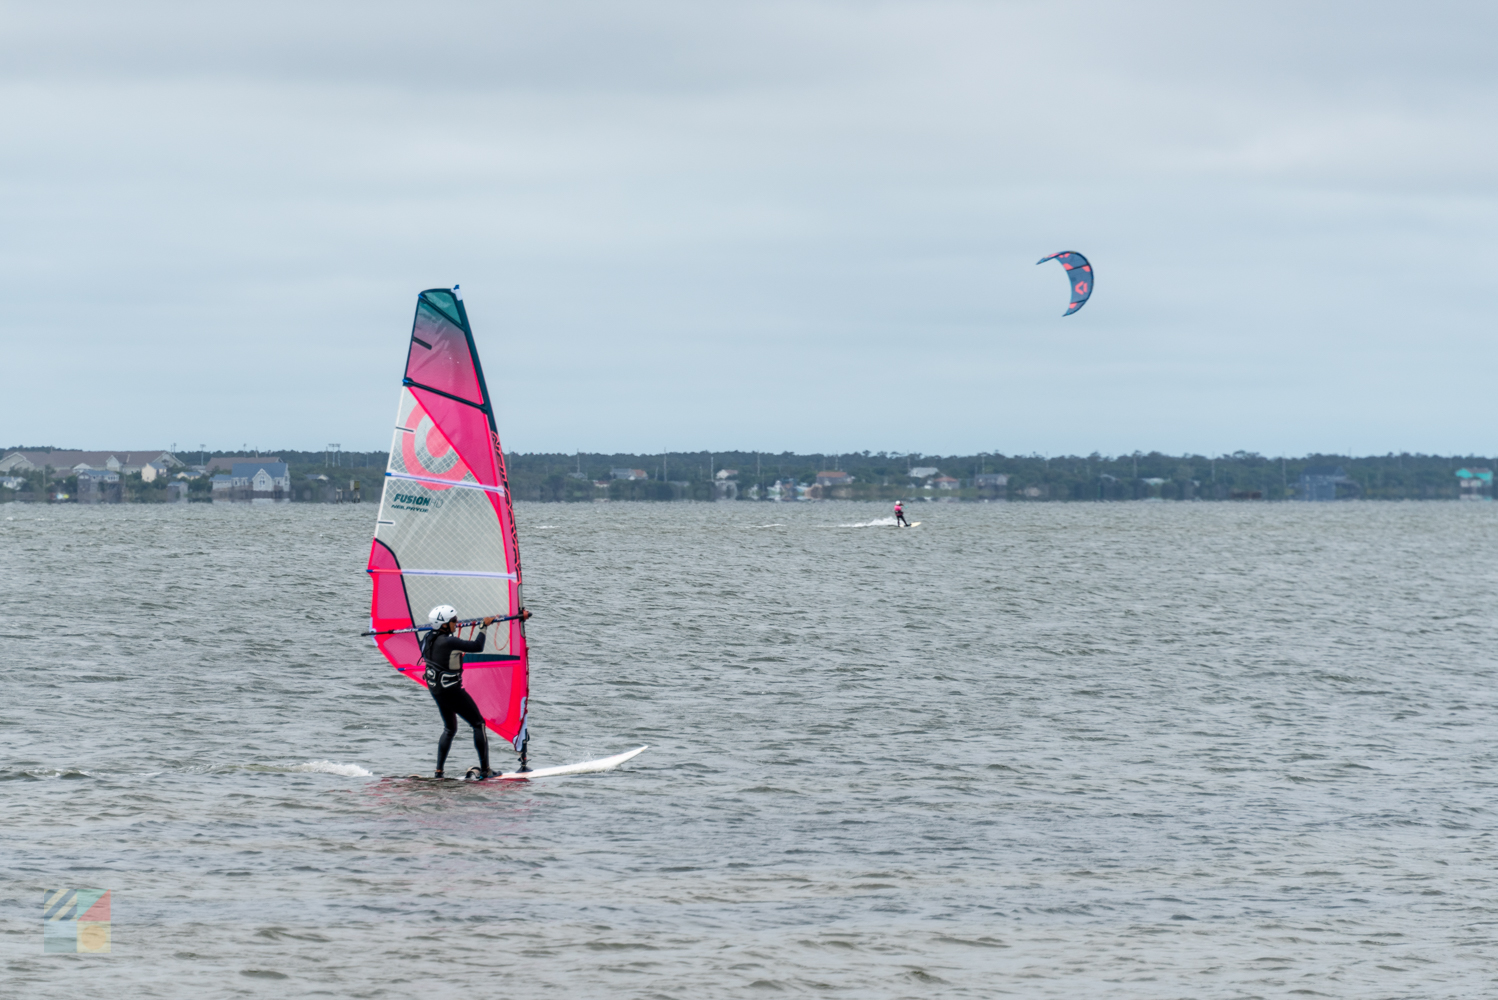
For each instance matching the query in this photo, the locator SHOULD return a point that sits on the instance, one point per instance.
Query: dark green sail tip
(445, 302)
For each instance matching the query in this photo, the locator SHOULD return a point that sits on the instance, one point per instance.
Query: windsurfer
(900, 515)
(444, 677)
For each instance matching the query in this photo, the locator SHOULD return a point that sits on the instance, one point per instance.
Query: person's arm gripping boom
(474, 645)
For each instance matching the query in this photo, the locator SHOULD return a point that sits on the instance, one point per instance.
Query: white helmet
(442, 614)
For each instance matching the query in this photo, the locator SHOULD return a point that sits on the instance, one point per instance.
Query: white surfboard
(586, 767)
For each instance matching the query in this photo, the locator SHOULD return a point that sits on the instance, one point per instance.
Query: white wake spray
(328, 767)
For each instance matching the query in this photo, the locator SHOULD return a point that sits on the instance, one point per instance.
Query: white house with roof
(261, 477)
(253, 480)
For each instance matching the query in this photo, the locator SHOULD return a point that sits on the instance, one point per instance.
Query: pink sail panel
(498, 688)
(465, 430)
(445, 533)
(389, 610)
(440, 355)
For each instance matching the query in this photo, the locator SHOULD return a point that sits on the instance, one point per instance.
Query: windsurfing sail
(445, 533)
(1078, 275)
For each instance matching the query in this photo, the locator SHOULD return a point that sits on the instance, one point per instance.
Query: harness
(446, 677)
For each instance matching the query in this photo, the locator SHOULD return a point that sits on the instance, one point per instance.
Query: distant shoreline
(748, 476)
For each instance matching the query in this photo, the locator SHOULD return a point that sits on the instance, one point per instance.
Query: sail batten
(444, 572)
(445, 533)
(445, 482)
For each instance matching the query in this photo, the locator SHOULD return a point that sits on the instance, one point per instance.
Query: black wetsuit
(447, 691)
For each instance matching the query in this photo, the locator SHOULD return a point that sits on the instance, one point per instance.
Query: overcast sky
(800, 225)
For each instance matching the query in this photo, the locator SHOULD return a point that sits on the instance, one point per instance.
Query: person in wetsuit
(444, 677)
(900, 521)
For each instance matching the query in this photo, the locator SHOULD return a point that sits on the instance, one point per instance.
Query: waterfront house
(833, 478)
(1318, 483)
(1475, 484)
(993, 485)
(98, 486)
(782, 490)
(264, 480)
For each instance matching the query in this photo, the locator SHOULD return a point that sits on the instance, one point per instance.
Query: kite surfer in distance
(900, 521)
(444, 678)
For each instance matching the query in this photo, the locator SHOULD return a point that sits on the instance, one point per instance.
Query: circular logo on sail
(426, 452)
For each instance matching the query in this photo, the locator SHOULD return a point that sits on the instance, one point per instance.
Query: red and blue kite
(1078, 275)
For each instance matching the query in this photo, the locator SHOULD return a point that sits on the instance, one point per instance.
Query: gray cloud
(762, 225)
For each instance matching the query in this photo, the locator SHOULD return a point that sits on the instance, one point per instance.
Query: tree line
(1241, 475)
(887, 475)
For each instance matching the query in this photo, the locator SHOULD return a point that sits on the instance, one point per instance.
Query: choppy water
(1041, 750)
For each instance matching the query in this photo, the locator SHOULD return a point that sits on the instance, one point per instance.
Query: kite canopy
(1078, 275)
